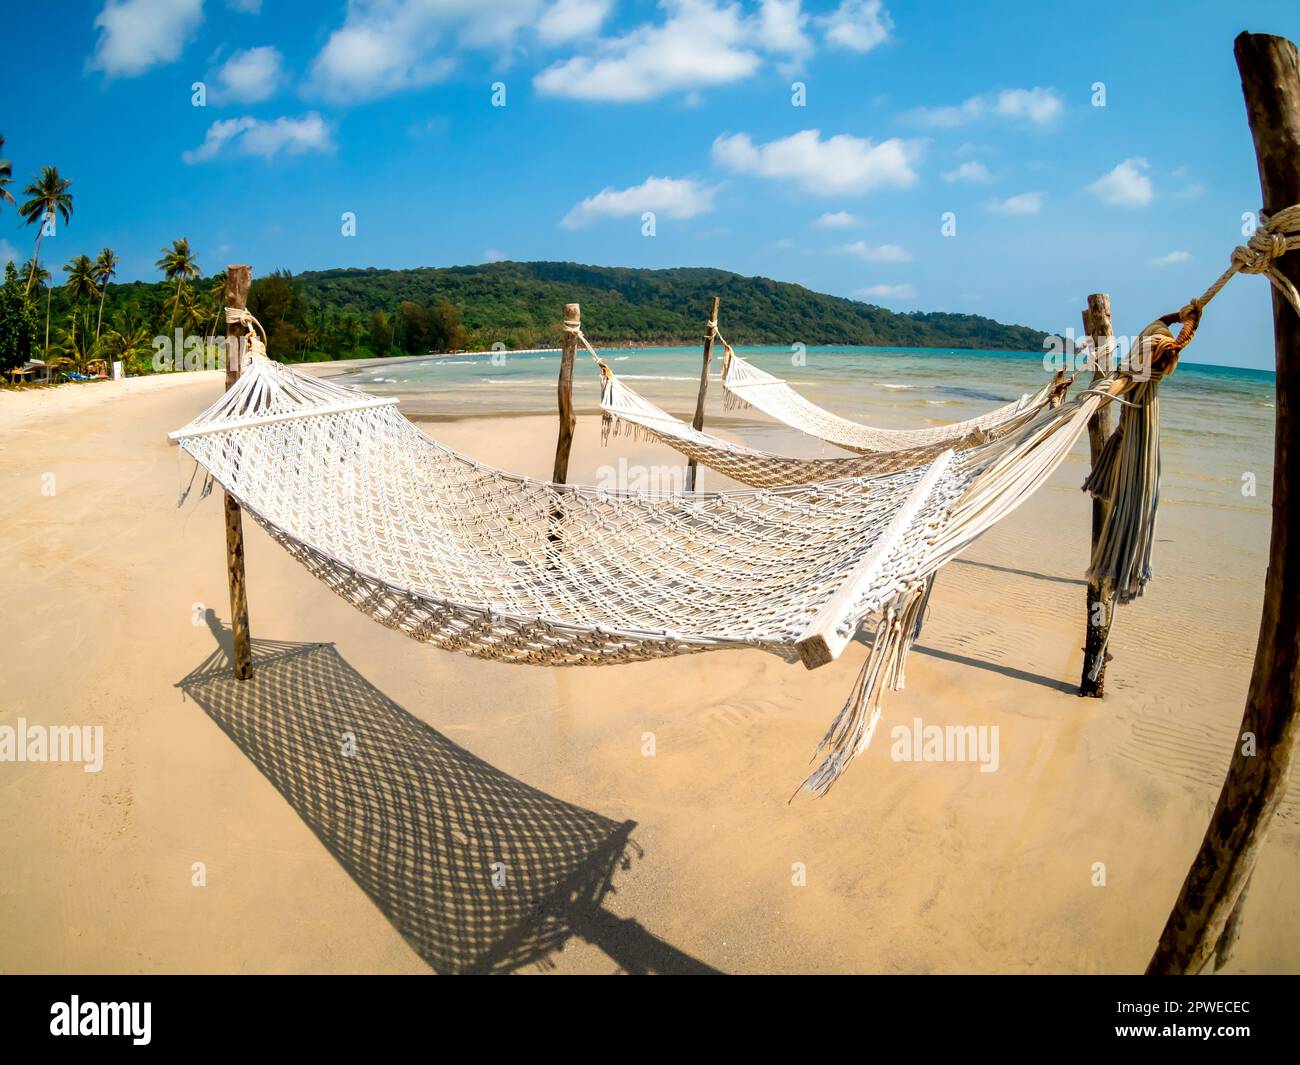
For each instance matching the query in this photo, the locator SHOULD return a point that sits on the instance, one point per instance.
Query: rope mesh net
(476, 560)
(747, 385)
(473, 559)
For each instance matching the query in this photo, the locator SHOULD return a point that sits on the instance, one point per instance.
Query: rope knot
(1256, 255)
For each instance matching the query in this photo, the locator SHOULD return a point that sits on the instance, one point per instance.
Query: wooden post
(238, 278)
(573, 318)
(697, 423)
(1096, 624)
(1270, 724)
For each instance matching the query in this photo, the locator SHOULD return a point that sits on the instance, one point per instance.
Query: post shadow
(478, 871)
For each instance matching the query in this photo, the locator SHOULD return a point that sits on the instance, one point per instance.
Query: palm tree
(49, 197)
(81, 278)
(350, 329)
(178, 263)
(6, 174)
(32, 272)
(216, 299)
(123, 343)
(105, 271)
(73, 350)
(193, 314)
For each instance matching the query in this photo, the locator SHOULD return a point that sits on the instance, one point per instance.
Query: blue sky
(384, 108)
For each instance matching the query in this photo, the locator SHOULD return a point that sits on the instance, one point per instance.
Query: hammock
(748, 386)
(623, 409)
(472, 559)
(476, 560)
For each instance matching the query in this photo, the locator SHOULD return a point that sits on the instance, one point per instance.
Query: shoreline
(977, 871)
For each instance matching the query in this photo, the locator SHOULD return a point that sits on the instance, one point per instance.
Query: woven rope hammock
(746, 385)
(476, 560)
(624, 410)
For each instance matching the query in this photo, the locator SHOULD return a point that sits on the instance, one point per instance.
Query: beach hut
(31, 370)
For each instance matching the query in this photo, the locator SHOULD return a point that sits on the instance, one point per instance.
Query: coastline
(908, 867)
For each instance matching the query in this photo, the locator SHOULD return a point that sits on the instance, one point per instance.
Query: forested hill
(520, 304)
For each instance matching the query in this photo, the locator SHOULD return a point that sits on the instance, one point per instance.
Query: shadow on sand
(478, 871)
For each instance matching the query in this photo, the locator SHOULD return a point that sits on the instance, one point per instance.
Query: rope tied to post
(1276, 235)
(256, 333)
(1127, 473)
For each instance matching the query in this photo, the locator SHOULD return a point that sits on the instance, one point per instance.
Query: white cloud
(568, 20)
(1125, 186)
(135, 35)
(887, 292)
(1036, 106)
(882, 253)
(1039, 106)
(245, 7)
(696, 46)
(1024, 203)
(779, 29)
(250, 76)
(8, 254)
(493, 256)
(857, 25)
(386, 46)
(972, 170)
(1172, 259)
(831, 167)
(253, 136)
(366, 58)
(670, 197)
(838, 220)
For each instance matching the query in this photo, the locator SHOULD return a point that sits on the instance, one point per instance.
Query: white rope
(476, 560)
(1277, 234)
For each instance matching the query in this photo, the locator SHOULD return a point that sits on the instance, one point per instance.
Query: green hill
(520, 304)
(331, 314)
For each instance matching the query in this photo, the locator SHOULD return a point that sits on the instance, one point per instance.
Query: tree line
(86, 321)
(89, 319)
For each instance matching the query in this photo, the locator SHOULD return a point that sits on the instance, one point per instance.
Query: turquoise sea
(1215, 417)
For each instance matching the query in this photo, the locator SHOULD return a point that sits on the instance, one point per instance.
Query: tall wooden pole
(697, 423)
(238, 278)
(1270, 725)
(573, 319)
(1097, 325)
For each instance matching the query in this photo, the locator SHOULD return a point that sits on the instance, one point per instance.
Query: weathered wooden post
(1097, 325)
(572, 322)
(1270, 724)
(697, 423)
(238, 278)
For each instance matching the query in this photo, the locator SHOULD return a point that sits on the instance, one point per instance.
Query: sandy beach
(465, 765)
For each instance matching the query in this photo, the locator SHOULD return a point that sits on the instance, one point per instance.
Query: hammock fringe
(851, 731)
(1127, 478)
(731, 401)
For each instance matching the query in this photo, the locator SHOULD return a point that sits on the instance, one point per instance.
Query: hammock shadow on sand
(421, 824)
